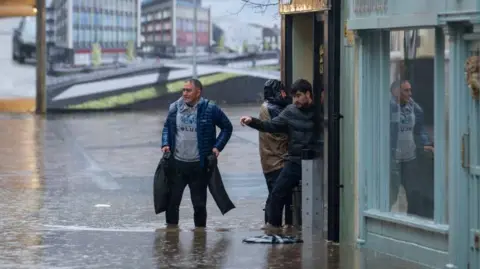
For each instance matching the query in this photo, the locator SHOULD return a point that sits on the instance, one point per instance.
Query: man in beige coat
(273, 147)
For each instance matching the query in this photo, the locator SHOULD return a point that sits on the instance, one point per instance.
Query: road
(77, 193)
(16, 81)
(180, 71)
(19, 80)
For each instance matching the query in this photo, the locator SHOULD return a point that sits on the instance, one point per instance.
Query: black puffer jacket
(298, 123)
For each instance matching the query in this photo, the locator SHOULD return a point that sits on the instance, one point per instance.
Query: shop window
(403, 126)
(411, 126)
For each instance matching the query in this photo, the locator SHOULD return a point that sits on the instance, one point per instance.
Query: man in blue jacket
(409, 140)
(190, 135)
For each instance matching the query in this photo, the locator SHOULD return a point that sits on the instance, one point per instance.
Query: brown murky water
(55, 172)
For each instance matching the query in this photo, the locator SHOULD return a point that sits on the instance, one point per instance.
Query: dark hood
(272, 93)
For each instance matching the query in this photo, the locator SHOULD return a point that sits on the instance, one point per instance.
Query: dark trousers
(271, 178)
(191, 174)
(418, 187)
(289, 177)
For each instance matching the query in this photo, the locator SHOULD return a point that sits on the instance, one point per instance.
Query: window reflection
(411, 122)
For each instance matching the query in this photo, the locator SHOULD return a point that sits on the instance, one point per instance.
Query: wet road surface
(76, 192)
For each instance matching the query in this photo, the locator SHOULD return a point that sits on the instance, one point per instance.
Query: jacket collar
(181, 105)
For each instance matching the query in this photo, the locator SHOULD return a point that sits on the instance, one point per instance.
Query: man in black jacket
(298, 122)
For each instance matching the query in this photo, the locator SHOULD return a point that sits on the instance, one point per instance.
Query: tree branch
(259, 5)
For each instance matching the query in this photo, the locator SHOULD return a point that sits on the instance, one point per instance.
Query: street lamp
(194, 56)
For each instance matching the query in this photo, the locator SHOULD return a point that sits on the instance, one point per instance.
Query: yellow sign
(348, 34)
(302, 6)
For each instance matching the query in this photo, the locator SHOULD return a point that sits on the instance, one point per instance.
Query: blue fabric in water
(272, 239)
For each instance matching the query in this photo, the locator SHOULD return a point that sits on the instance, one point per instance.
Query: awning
(17, 8)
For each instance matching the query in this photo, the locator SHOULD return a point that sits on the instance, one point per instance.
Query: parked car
(24, 40)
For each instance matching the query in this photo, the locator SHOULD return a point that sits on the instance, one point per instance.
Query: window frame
(374, 133)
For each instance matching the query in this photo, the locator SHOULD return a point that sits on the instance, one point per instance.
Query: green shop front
(417, 69)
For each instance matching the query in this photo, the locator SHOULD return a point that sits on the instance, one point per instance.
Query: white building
(237, 34)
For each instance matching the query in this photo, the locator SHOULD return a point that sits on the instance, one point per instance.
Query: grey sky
(231, 8)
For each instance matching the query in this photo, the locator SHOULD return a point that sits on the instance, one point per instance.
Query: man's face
(190, 94)
(301, 99)
(404, 93)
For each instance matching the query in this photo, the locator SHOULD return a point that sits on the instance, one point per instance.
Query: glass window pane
(411, 122)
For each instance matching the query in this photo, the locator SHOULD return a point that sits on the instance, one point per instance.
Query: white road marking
(102, 205)
(85, 228)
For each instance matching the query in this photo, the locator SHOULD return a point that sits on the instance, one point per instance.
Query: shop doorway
(312, 51)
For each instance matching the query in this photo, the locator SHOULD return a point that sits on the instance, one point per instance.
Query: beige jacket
(273, 147)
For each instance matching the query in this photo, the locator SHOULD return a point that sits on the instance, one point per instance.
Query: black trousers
(416, 178)
(271, 178)
(193, 175)
(289, 177)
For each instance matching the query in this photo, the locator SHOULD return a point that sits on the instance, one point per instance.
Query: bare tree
(258, 5)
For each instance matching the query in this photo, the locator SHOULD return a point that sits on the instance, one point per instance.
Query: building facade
(312, 49)
(111, 24)
(167, 27)
(409, 115)
(50, 25)
(235, 36)
(271, 38)
(429, 214)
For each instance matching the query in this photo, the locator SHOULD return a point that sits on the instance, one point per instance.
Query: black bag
(161, 189)
(216, 187)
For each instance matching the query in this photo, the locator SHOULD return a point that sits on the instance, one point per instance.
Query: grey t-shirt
(406, 147)
(186, 144)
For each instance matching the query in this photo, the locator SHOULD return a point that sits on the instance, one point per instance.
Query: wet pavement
(76, 192)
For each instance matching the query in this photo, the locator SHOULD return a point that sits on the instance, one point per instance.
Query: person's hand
(216, 152)
(166, 149)
(245, 120)
(429, 148)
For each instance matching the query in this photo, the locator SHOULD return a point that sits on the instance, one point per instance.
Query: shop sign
(302, 6)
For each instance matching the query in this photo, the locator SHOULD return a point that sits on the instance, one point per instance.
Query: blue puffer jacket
(421, 135)
(209, 116)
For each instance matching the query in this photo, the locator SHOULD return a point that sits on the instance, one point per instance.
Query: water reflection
(171, 249)
(411, 133)
(21, 188)
(284, 257)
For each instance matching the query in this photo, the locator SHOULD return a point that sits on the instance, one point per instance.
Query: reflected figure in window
(409, 140)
